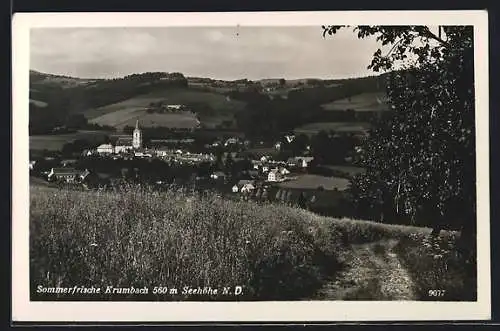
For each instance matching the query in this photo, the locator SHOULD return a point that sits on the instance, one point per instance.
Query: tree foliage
(421, 163)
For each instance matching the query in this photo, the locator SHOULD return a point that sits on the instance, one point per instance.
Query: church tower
(137, 136)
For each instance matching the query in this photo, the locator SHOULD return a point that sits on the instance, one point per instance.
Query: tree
(423, 159)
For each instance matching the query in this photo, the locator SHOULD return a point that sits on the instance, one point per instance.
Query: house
(246, 186)
(235, 188)
(289, 138)
(274, 176)
(277, 146)
(265, 169)
(32, 165)
(68, 175)
(284, 171)
(105, 149)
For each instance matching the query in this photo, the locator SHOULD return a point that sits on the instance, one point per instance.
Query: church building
(137, 137)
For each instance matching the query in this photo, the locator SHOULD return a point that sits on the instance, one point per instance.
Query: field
(137, 237)
(56, 142)
(127, 117)
(347, 170)
(127, 112)
(360, 102)
(123, 107)
(216, 101)
(314, 128)
(310, 181)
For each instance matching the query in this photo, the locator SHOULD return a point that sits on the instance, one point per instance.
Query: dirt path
(373, 272)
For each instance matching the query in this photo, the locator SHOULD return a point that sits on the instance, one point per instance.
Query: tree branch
(426, 32)
(394, 46)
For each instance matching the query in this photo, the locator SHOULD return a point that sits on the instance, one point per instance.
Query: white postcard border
(24, 310)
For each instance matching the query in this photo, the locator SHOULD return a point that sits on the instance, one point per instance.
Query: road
(373, 272)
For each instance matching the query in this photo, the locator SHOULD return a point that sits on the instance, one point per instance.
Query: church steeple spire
(137, 136)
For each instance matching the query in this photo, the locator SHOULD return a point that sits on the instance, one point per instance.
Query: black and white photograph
(296, 163)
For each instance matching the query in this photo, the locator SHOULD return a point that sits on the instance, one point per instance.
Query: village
(226, 171)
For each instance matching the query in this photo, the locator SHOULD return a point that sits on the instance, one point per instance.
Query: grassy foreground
(150, 239)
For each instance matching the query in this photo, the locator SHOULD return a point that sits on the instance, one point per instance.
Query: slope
(211, 108)
(141, 237)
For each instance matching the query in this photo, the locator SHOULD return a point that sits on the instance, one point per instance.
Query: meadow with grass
(138, 237)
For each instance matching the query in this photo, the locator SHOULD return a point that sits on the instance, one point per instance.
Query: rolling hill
(120, 102)
(371, 101)
(125, 113)
(39, 78)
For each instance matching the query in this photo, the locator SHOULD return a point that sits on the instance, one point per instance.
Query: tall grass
(439, 273)
(137, 237)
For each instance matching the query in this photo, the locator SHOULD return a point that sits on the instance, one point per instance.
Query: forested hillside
(256, 108)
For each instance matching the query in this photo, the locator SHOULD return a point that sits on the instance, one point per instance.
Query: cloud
(218, 52)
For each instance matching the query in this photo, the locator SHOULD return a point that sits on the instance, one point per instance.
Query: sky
(215, 52)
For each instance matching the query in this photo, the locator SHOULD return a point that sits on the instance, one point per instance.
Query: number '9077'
(436, 293)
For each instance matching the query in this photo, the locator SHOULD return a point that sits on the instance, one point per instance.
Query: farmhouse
(68, 175)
